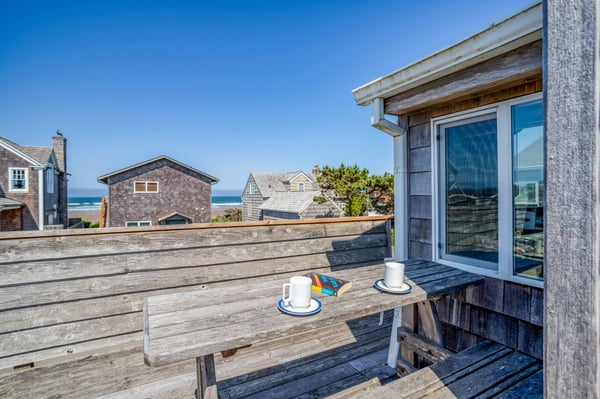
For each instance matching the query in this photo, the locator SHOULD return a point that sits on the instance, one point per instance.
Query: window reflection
(528, 192)
(471, 185)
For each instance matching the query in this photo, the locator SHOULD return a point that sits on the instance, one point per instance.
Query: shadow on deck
(316, 365)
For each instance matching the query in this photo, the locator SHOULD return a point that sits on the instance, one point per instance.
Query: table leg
(394, 348)
(207, 377)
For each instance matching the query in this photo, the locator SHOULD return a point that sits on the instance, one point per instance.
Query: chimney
(59, 145)
(316, 171)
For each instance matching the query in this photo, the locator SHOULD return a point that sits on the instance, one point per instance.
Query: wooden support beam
(572, 214)
(422, 346)
(432, 327)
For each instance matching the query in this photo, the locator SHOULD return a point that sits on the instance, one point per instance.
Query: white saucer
(314, 307)
(405, 289)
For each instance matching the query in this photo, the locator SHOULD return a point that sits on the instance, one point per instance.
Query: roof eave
(513, 32)
(21, 154)
(104, 178)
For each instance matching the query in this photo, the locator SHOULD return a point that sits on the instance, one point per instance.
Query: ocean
(93, 203)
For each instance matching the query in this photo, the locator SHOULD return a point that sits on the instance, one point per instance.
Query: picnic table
(202, 323)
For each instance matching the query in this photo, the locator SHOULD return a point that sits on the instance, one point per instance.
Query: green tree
(348, 184)
(230, 215)
(381, 193)
(359, 191)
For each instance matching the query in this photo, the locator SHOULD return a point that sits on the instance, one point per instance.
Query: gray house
(159, 191)
(33, 185)
(469, 133)
(481, 192)
(273, 196)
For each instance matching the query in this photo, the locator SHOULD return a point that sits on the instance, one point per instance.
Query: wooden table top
(187, 325)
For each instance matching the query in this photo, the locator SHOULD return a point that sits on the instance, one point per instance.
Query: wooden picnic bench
(200, 324)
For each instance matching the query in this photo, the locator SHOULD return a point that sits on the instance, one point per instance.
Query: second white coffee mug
(299, 292)
(393, 276)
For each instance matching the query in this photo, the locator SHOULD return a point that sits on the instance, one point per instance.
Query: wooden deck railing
(71, 301)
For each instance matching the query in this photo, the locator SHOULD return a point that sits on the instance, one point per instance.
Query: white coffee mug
(393, 276)
(300, 292)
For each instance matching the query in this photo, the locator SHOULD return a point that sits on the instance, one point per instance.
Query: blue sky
(228, 87)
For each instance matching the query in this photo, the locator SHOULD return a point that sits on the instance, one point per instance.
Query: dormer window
(251, 188)
(18, 179)
(300, 186)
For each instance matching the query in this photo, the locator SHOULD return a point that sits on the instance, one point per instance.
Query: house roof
(288, 201)
(170, 214)
(7, 204)
(533, 155)
(509, 34)
(38, 156)
(269, 183)
(104, 178)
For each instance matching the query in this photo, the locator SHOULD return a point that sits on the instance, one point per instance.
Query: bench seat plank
(474, 373)
(532, 388)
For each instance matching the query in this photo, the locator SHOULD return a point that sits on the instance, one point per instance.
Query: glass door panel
(470, 189)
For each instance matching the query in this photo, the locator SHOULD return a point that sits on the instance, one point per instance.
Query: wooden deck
(326, 362)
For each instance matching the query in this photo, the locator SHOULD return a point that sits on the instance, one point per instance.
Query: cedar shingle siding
(182, 191)
(276, 196)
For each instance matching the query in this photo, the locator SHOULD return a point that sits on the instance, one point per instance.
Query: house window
(18, 179)
(251, 188)
(50, 179)
(138, 224)
(300, 186)
(146, 187)
(489, 195)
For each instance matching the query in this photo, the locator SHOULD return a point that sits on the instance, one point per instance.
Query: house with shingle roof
(160, 191)
(275, 196)
(33, 185)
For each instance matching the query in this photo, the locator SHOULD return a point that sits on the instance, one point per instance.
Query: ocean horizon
(94, 203)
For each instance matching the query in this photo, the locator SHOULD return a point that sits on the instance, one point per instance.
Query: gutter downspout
(400, 204)
(400, 176)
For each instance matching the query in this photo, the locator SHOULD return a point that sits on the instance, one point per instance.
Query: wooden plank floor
(315, 365)
(328, 361)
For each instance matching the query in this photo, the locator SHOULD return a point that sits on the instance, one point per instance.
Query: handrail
(196, 226)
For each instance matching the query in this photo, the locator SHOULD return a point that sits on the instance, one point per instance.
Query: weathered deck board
(150, 259)
(19, 247)
(482, 371)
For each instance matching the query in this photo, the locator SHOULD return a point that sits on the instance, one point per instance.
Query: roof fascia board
(21, 154)
(507, 35)
(297, 175)
(104, 179)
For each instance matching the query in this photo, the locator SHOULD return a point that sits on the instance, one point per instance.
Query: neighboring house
(160, 191)
(273, 196)
(33, 185)
(470, 136)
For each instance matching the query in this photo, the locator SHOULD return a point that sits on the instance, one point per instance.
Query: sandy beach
(94, 216)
